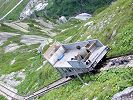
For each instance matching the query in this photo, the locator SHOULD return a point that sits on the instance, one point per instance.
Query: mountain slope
(7, 5)
(114, 27)
(69, 8)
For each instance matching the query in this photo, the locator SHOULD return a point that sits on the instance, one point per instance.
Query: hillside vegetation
(7, 5)
(114, 27)
(72, 7)
(27, 60)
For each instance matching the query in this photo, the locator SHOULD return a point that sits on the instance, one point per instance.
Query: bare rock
(4, 36)
(83, 16)
(13, 61)
(62, 19)
(13, 79)
(126, 94)
(89, 23)
(34, 39)
(11, 47)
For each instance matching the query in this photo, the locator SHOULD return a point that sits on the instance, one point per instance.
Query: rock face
(13, 79)
(33, 39)
(4, 36)
(126, 94)
(121, 62)
(62, 19)
(11, 47)
(83, 16)
(33, 5)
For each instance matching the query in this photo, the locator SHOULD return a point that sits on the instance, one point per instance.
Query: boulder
(62, 19)
(83, 16)
(126, 94)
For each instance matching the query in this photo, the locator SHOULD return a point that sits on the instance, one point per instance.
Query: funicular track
(55, 84)
(40, 92)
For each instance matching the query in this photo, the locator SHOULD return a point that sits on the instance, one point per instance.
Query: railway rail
(124, 59)
(53, 85)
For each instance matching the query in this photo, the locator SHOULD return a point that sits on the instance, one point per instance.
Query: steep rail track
(123, 60)
(53, 85)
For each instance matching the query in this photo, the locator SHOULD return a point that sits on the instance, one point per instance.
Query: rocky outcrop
(34, 39)
(11, 47)
(4, 36)
(33, 5)
(62, 20)
(126, 94)
(83, 16)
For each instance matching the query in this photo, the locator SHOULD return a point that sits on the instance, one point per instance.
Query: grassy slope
(15, 14)
(118, 17)
(58, 8)
(27, 59)
(37, 79)
(2, 98)
(102, 85)
(4, 28)
(8, 6)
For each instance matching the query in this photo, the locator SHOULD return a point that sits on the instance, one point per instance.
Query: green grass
(30, 61)
(15, 14)
(13, 39)
(103, 86)
(21, 55)
(34, 30)
(2, 98)
(27, 59)
(118, 18)
(37, 79)
(7, 6)
(4, 28)
(121, 22)
(71, 28)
